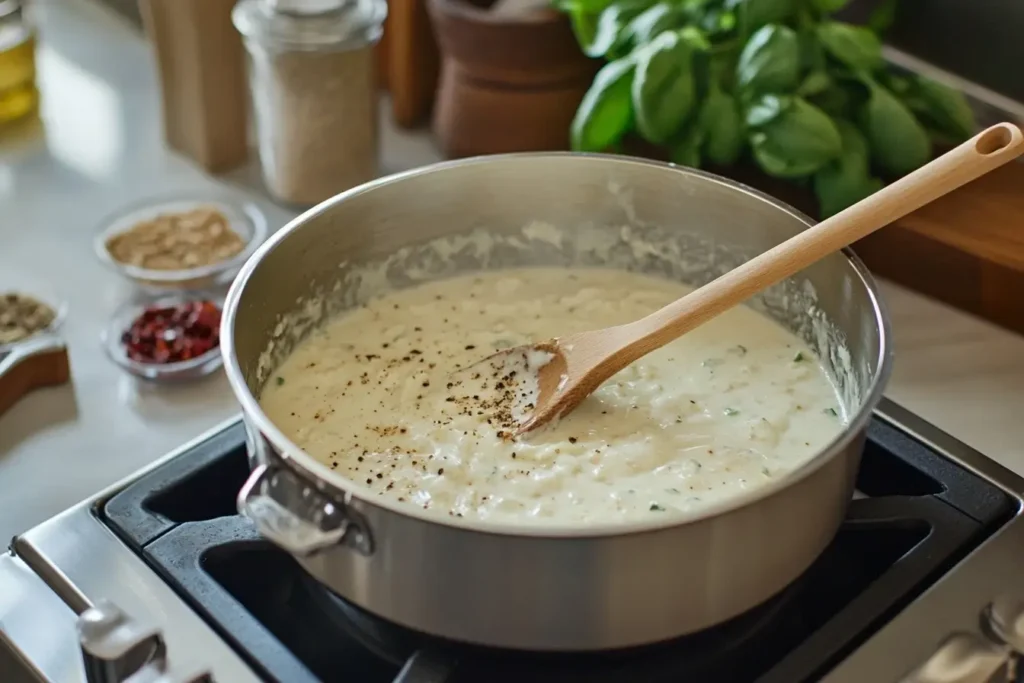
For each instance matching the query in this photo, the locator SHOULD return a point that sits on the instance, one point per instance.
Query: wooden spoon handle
(976, 157)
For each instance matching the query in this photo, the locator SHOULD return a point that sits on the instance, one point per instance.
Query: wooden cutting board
(966, 249)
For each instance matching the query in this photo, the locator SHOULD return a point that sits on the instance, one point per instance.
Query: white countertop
(100, 147)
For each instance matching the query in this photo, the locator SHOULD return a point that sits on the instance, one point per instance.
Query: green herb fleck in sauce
(730, 412)
(656, 508)
(280, 381)
(831, 411)
(798, 357)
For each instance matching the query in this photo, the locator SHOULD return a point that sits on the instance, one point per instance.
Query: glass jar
(18, 94)
(311, 73)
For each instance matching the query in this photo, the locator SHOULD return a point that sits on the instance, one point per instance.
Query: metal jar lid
(311, 25)
(11, 9)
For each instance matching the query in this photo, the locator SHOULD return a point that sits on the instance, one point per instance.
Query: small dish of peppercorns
(168, 338)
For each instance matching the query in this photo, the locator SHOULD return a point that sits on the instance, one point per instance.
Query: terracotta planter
(472, 117)
(508, 83)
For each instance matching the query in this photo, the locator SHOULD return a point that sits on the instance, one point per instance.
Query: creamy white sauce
(726, 408)
(502, 389)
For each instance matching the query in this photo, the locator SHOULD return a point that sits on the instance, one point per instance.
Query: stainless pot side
(550, 589)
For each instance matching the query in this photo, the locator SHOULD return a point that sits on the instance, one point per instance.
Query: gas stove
(159, 579)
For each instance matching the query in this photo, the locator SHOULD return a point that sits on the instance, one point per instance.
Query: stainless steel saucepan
(562, 588)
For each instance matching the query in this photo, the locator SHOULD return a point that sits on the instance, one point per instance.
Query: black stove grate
(922, 514)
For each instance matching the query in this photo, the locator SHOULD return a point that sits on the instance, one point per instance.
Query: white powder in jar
(316, 119)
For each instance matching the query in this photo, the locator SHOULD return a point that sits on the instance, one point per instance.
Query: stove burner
(695, 657)
(388, 641)
(922, 513)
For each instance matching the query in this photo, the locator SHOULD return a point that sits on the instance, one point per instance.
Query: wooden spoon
(572, 367)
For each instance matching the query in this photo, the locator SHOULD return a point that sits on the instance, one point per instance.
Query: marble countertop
(99, 147)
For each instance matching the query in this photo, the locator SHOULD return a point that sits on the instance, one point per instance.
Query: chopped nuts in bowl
(181, 243)
(23, 316)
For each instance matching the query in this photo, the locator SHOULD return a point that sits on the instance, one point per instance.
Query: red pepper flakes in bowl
(174, 333)
(169, 338)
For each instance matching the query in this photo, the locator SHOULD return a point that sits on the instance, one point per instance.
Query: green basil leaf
(606, 112)
(753, 14)
(722, 63)
(855, 146)
(766, 109)
(722, 127)
(594, 7)
(714, 18)
(883, 16)
(840, 185)
(664, 90)
(685, 150)
(898, 142)
(770, 162)
(829, 6)
(653, 21)
(842, 98)
(898, 85)
(797, 141)
(607, 34)
(701, 58)
(812, 54)
(941, 108)
(770, 61)
(853, 46)
(846, 180)
(584, 26)
(719, 22)
(695, 39)
(695, 8)
(814, 83)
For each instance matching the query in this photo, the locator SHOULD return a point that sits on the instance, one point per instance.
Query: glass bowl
(60, 309)
(194, 368)
(244, 217)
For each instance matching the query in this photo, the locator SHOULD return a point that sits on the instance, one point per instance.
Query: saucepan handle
(293, 514)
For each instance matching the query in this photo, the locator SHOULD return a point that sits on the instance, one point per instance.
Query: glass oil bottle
(18, 94)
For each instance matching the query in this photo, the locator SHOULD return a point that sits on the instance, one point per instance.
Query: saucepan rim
(308, 467)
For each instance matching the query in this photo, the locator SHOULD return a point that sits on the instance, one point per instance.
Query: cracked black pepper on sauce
(385, 395)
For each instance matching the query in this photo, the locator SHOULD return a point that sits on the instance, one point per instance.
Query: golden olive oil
(18, 94)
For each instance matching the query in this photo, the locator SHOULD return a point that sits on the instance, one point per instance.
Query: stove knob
(1003, 620)
(116, 649)
(965, 658)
